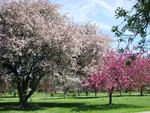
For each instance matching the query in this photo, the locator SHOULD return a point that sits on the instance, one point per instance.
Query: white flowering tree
(36, 40)
(31, 36)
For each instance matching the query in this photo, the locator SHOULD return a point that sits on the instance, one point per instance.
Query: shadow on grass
(8, 106)
(51, 98)
(104, 107)
(73, 106)
(88, 97)
(1, 97)
(93, 97)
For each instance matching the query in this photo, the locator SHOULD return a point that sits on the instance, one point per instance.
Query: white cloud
(85, 10)
(104, 26)
(103, 4)
(111, 5)
(91, 10)
(119, 3)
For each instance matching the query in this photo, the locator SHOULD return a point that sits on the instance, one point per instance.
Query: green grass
(41, 103)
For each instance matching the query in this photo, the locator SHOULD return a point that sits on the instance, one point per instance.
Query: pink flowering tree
(109, 77)
(141, 69)
(121, 71)
(124, 71)
(85, 86)
(111, 72)
(93, 83)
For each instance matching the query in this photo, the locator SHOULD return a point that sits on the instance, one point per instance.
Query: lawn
(41, 103)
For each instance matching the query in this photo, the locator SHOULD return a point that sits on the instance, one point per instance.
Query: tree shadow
(8, 106)
(8, 97)
(93, 97)
(51, 98)
(88, 97)
(104, 107)
(73, 106)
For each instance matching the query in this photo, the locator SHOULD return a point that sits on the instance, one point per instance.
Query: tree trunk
(120, 93)
(95, 94)
(78, 92)
(130, 93)
(51, 94)
(23, 102)
(87, 93)
(22, 92)
(22, 97)
(65, 94)
(110, 98)
(15, 94)
(23, 82)
(141, 92)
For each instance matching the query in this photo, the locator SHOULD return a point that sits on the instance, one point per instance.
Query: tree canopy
(135, 25)
(37, 40)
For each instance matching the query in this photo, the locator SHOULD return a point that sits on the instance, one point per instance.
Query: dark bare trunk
(23, 102)
(65, 94)
(51, 94)
(87, 93)
(66, 90)
(141, 92)
(95, 93)
(22, 86)
(120, 93)
(78, 92)
(22, 95)
(110, 98)
(129, 92)
(23, 82)
(14, 94)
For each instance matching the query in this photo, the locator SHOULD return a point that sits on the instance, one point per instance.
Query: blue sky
(99, 11)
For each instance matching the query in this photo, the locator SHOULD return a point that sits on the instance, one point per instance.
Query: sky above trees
(101, 12)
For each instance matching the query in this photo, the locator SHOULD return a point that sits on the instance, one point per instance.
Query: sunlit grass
(43, 103)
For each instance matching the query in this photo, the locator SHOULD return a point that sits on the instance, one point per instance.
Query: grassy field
(41, 103)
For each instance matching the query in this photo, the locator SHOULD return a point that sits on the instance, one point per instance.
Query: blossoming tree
(121, 71)
(37, 40)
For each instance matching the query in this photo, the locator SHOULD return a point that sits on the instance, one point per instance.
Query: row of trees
(36, 42)
(120, 72)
